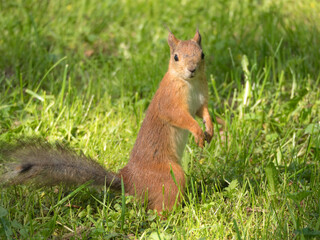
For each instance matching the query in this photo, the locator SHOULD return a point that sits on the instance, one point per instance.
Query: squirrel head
(186, 57)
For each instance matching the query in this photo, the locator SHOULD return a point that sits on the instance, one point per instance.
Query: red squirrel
(154, 168)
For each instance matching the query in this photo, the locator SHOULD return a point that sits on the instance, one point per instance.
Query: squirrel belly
(154, 169)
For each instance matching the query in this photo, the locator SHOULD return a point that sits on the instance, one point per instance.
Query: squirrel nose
(192, 70)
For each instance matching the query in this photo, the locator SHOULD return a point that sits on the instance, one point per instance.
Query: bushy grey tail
(41, 163)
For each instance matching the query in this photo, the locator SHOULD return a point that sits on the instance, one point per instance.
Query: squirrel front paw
(208, 136)
(209, 131)
(199, 138)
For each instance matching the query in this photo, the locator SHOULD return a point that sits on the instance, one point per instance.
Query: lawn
(82, 73)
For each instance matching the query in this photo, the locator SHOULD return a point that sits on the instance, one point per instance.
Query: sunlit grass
(83, 73)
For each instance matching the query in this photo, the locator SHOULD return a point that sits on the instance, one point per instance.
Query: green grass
(84, 72)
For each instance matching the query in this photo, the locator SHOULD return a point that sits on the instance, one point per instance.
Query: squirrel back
(154, 168)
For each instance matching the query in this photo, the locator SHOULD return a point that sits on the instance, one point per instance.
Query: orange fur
(182, 94)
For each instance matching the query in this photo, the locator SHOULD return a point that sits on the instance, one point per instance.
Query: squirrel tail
(44, 164)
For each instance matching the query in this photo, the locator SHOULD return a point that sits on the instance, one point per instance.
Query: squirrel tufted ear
(197, 37)
(172, 40)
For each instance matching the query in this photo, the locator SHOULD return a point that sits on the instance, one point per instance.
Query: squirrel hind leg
(165, 201)
(166, 195)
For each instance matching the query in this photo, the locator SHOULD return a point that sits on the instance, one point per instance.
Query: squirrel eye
(202, 55)
(176, 58)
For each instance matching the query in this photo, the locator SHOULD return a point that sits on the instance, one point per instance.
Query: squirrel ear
(172, 40)
(197, 37)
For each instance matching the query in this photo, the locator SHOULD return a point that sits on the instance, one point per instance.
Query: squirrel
(154, 168)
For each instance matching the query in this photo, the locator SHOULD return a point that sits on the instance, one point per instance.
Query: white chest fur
(195, 100)
(195, 97)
